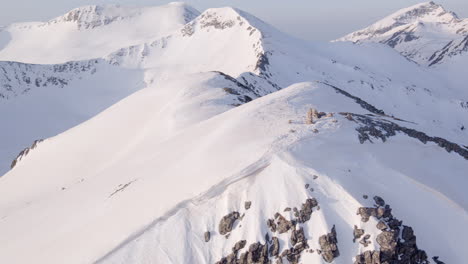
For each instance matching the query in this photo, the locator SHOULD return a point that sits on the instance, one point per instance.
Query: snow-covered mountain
(90, 32)
(212, 153)
(425, 33)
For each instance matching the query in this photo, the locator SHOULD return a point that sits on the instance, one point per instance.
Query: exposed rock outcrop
(397, 242)
(282, 224)
(379, 201)
(297, 236)
(329, 246)
(365, 240)
(275, 247)
(239, 245)
(307, 209)
(357, 233)
(381, 225)
(24, 153)
(227, 222)
(372, 127)
(258, 252)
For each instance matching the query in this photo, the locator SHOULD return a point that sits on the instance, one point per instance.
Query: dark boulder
(307, 209)
(437, 261)
(357, 233)
(366, 213)
(365, 240)
(387, 241)
(238, 246)
(258, 254)
(329, 246)
(272, 225)
(227, 222)
(207, 236)
(394, 223)
(368, 257)
(275, 247)
(381, 225)
(379, 201)
(282, 224)
(297, 236)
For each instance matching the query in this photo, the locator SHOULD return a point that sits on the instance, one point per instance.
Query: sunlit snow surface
(174, 143)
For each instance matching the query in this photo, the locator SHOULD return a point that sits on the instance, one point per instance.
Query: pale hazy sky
(307, 19)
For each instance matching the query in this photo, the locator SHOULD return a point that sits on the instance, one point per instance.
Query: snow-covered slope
(266, 60)
(161, 191)
(425, 33)
(76, 91)
(220, 39)
(209, 158)
(90, 32)
(40, 101)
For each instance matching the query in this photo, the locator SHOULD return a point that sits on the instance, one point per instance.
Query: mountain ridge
(90, 32)
(91, 16)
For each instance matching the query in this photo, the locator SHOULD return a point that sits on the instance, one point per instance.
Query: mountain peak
(230, 17)
(93, 31)
(420, 32)
(427, 11)
(419, 14)
(92, 16)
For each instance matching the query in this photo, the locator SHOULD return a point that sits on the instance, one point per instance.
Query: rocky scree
(269, 251)
(397, 242)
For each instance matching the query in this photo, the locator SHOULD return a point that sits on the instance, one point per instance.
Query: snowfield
(190, 142)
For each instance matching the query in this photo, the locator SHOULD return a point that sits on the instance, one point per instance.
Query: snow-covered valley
(192, 141)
